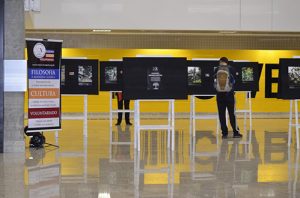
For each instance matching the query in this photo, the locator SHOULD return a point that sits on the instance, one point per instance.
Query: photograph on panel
(85, 74)
(111, 75)
(194, 76)
(294, 77)
(247, 74)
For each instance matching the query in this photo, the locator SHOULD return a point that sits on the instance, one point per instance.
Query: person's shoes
(128, 123)
(118, 123)
(224, 137)
(237, 135)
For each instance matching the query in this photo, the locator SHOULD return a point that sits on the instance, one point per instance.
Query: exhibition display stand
(294, 103)
(194, 117)
(84, 117)
(247, 111)
(111, 114)
(194, 154)
(170, 127)
(83, 154)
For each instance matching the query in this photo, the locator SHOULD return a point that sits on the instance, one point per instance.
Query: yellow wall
(100, 103)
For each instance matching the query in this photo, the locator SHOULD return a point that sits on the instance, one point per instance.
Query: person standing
(123, 103)
(224, 84)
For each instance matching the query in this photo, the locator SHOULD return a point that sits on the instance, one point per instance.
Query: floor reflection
(105, 163)
(42, 179)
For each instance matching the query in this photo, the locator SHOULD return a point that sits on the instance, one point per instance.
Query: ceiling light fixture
(101, 30)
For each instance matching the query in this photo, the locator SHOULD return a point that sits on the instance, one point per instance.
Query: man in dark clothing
(225, 97)
(121, 101)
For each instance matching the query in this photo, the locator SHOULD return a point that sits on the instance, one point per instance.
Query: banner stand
(296, 124)
(170, 127)
(44, 94)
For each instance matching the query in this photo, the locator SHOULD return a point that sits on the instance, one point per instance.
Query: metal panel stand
(112, 111)
(84, 117)
(170, 127)
(294, 103)
(247, 111)
(84, 153)
(194, 117)
(194, 154)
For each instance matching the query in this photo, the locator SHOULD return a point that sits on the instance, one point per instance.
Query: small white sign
(15, 75)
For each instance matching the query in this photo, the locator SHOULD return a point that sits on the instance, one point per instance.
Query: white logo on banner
(39, 50)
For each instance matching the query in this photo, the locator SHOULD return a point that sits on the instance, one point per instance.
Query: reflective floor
(106, 165)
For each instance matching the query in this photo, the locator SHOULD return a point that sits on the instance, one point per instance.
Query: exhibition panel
(246, 76)
(111, 78)
(155, 78)
(260, 67)
(201, 77)
(100, 104)
(289, 79)
(79, 76)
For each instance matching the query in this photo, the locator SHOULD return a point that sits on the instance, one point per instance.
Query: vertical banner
(44, 99)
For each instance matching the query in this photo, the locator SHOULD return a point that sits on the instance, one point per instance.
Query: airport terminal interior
(126, 99)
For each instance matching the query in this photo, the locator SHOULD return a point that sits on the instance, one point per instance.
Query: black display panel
(79, 76)
(246, 76)
(201, 77)
(260, 67)
(269, 80)
(155, 78)
(111, 76)
(289, 79)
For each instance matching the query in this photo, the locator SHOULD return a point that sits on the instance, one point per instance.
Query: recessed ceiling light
(101, 30)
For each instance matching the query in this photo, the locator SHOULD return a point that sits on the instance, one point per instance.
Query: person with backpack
(224, 84)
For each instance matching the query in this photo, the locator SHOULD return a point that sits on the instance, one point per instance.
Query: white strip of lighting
(49, 40)
(206, 59)
(101, 30)
(103, 195)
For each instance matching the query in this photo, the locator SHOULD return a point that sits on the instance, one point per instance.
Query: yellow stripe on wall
(100, 103)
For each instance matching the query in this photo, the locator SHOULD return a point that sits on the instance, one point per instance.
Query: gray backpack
(222, 79)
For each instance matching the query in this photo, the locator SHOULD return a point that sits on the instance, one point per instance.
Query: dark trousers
(227, 101)
(124, 103)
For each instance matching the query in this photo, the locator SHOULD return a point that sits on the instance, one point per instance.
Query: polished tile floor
(105, 163)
